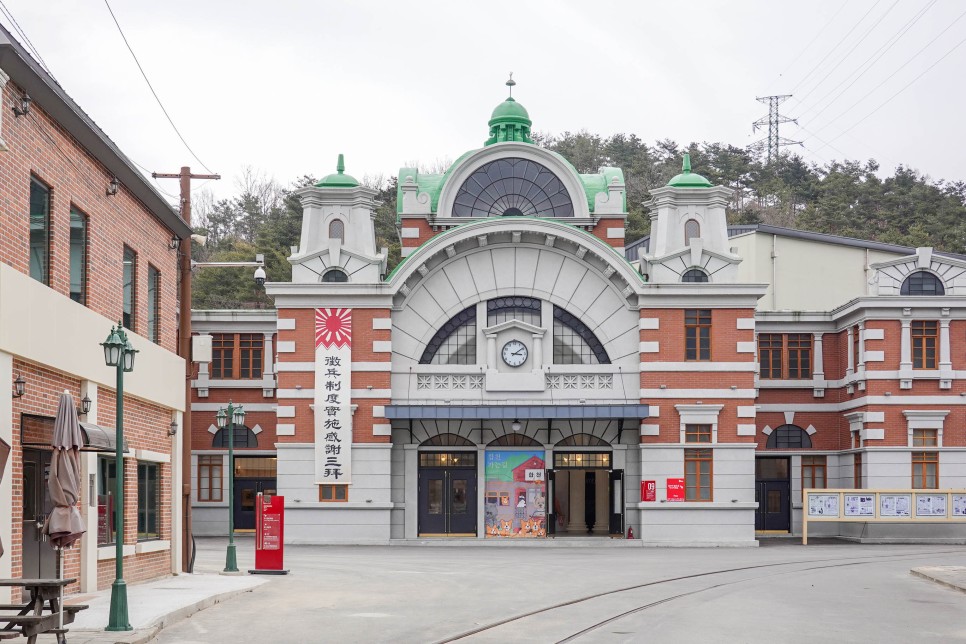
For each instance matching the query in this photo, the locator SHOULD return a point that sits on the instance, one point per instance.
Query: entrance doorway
(773, 494)
(586, 495)
(253, 474)
(39, 561)
(447, 494)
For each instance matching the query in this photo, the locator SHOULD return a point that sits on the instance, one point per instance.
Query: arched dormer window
(694, 275)
(244, 437)
(574, 342)
(692, 230)
(335, 275)
(789, 437)
(922, 283)
(455, 342)
(513, 187)
(337, 229)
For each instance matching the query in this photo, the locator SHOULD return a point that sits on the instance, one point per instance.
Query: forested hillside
(851, 198)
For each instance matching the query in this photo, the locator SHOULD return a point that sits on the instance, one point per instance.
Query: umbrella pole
(60, 565)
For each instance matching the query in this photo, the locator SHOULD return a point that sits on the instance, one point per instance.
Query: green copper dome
(509, 121)
(338, 180)
(688, 179)
(510, 110)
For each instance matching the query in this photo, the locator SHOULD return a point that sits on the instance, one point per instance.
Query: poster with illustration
(516, 494)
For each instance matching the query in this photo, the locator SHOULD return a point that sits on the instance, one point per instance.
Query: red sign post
(675, 489)
(648, 490)
(269, 535)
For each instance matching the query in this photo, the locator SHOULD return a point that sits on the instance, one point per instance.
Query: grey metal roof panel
(47, 93)
(515, 412)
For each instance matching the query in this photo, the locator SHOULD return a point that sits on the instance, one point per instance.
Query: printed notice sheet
(930, 505)
(959, 505)
(820, 505)
(860, 505)
(895, 505)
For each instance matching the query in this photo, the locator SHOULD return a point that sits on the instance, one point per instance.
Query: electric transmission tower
(773, 141)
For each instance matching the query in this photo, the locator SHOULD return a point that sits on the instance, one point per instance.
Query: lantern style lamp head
(22, 106)
(129, 352)
(113, 347)
(86, 405)
(112, 187)
(515, 425)
(221, 418)
(239, 416)
(19, 386)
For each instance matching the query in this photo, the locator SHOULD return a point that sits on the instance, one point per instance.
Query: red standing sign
(269, 535)
(648, 490)
(675, 489)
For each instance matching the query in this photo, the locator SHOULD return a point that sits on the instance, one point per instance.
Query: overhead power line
(151, 87)
(812, 41)
(23, 36)
(773, 142)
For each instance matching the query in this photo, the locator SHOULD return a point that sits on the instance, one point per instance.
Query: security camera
(260, 276)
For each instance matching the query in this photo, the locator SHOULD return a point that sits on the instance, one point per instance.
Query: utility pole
(184, 350)
(773, 141)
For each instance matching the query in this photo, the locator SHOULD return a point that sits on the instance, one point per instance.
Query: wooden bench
(32, 618)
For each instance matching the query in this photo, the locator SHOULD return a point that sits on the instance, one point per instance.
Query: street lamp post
(228, 418)
(119, 353)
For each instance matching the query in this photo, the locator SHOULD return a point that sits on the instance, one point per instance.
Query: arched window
(337, 229)
(789, 436)
(513, 188)
(335, 275)
(922, 283)
(455, 342)
(501, 309)
(516, 439)
(574, 342)
(447, 440)
(244, 437)
(583, 440)
(694, 275)
(692, 230)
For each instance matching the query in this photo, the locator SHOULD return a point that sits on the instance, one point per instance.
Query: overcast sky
(284, 86)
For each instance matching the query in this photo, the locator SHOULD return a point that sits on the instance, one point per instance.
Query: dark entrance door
(551, 503)
(617, 502)
(773, 494)
(447, 494)
(38, 557)
(245, 492)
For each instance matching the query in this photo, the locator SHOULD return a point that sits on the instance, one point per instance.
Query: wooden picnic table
(30, 619)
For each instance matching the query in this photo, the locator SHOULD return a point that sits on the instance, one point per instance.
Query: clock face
(514, 353)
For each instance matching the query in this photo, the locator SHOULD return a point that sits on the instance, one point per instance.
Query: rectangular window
(210, 473)
(785, 356)
(154, 304)
(855, 348)
(237, 355)
(925, 470)
(333, 493)
(149, 501)
(697, 334)
(78, 256)
(814, 472)
(799, 356)
(39, 231)
(697, 433)
(106, 507)
(770, 355)
(857, 471)
(925, 438)
(130, 287)
(698, 474)
(925, 339)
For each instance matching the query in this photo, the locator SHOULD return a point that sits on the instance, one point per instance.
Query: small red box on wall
(269, 535)
(648, 490)
(675, 489)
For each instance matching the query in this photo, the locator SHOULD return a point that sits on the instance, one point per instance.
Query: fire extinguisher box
(269, 535)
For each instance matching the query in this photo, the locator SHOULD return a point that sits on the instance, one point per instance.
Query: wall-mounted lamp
(174, 243)
(173, 428)
(515, 425)
(22, 107)
(85, 407)
(19, 386)
(112, 187)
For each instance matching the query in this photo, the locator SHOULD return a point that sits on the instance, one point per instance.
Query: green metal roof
(339, 179)
(688, 179)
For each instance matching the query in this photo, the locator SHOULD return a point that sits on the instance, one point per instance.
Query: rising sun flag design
(333, 328)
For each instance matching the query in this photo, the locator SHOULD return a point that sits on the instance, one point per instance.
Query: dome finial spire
(510, 83)
(340, 165)
(686, 165)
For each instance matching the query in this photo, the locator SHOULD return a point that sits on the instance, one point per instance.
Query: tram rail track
(830, 563)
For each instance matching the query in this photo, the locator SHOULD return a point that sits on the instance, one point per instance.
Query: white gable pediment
(887, 277)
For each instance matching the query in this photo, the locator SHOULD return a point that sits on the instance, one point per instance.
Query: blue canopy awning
(517, 412)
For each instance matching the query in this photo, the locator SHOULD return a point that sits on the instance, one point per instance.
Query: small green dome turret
(509, 121)
(688, 179)
(340, 179)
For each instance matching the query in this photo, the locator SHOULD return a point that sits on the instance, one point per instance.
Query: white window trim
(925, 419)
(698, 414)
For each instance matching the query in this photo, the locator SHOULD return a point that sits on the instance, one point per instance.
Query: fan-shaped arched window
(455, 342)
(694, 275)
(335, 275)
(447, 440)
(692, 230)
(244, 437)
(789, 436)
(337, 229)
(513, 187)
(515, 439)
(574, 342)
(501, 309)
(922, 283)
(583, 440)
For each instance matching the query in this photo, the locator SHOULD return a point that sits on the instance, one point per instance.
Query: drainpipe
(774, 272)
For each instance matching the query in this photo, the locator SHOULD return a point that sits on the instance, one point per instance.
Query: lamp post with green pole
(119, 353)
(227, 418)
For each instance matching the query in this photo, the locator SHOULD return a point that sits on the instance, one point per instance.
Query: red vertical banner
(675, 489)
(269, 535)
(648, 490)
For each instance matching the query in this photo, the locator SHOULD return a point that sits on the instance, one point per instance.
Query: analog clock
(514, 353)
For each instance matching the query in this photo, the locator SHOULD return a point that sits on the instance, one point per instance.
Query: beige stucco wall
(43, 326)
(805, 275)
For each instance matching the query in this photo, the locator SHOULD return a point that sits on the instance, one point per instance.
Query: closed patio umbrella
(4, 453)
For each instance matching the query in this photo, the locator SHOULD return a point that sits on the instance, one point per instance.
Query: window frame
(690, 232)
(237, 351)
(688, 276)
(208, 466)
(924, 339)
(695, 321)
(332, 226)
(335, 492)
(781, 433)
(907, 284)
(76, 214)
(925, 437)
(697, 433)
(811, 465)
(143, 511)
(857, 471)
(154, 304)
(701, 457)
(920, 479)
(105, 488)
(48, 237)
(129, 318)
(332, 276)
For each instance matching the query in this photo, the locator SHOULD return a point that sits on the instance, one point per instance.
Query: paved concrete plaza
(782, 591)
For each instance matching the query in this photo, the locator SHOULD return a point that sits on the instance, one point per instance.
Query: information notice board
(269, 535)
